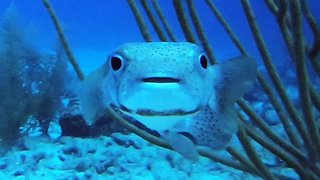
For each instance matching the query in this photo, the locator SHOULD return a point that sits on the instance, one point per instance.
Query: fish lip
(156, 79)
(148, 112)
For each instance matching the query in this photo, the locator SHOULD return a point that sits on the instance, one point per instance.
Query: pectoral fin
(181, 144)
(237, 77)
(91, 96)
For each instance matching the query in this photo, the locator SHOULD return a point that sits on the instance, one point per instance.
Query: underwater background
(48, 139)
(102, 26)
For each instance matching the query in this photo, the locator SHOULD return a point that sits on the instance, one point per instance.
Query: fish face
(170, 88)
(160, 79)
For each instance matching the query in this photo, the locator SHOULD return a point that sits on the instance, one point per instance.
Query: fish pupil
(116, 63)
(204, 62)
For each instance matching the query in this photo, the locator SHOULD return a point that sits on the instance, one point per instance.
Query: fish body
(171, 87)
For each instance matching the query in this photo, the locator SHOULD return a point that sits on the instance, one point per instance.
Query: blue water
(104, 25)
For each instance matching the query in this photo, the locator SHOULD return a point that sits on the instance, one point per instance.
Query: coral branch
(139, 19)
(244, 160)
(227, 27)
(275, 76)
(183, 20)
(289, 159)
(163, 20)
(199, 30)
(252, 154)
(153, 20)
(261, 79)
(303, 79)
(63, 39)
(267, 131)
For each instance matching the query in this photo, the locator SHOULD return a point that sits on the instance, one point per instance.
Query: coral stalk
(153, 20)
(252, 154)
(262, 80)
(227, 27)
(183, 20)
(297, 121)
(63, 39)
(266, 129)
(139, 19)
(163, 20)
(303, 79)
(199, 30)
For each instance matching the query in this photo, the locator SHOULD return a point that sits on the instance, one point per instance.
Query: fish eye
(203, 61)
(116, 62)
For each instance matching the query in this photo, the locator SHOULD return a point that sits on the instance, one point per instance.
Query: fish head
(160, 78)
(171, 88)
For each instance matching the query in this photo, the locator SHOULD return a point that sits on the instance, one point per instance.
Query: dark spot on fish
(188, 135)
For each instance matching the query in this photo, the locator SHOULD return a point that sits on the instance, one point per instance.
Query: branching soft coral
(29, 84)
(12, 95)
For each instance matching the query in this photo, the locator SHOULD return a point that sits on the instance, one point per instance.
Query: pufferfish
(171, 88)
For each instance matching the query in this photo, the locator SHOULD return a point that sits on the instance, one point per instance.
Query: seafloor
(116, 157)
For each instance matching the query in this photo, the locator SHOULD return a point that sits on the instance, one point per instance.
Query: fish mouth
(160, 80)
(149, 112)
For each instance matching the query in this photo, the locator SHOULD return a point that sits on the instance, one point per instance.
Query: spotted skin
(209, 130)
